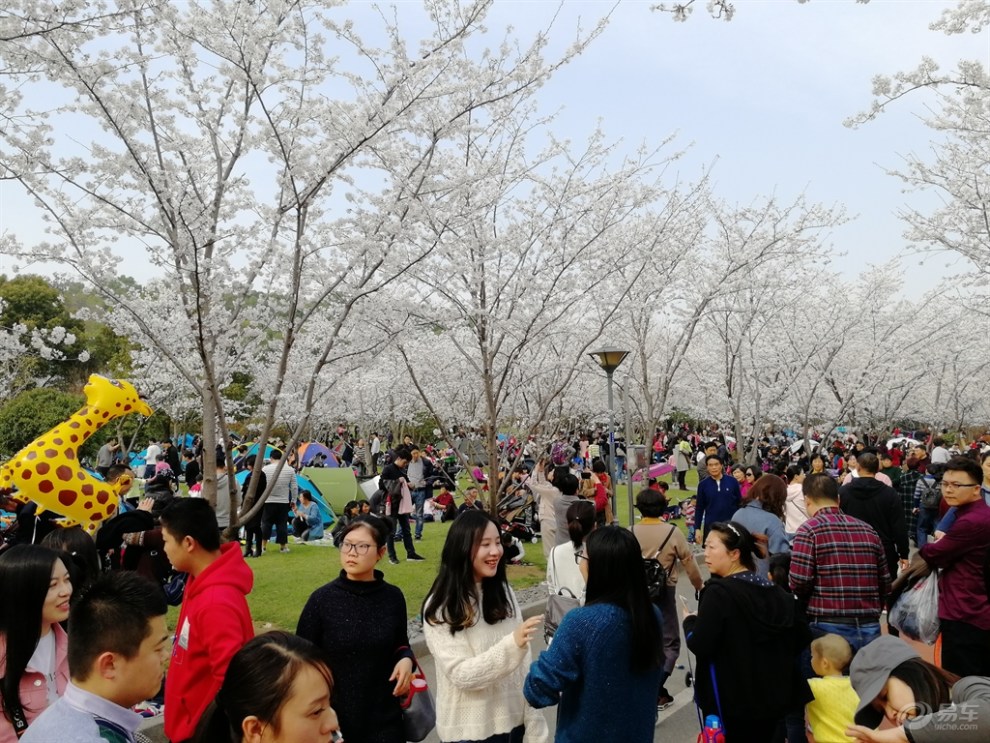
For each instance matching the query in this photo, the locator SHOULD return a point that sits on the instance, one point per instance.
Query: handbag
(419, 711)
(558, 604)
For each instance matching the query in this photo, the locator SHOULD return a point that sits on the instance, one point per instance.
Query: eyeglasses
(750, 474)
(360, 548)
(946, 485)
(578, 556)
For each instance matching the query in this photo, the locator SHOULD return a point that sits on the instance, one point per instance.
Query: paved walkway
(677, 724)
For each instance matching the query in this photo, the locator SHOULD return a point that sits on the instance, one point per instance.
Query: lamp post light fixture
(609, 358)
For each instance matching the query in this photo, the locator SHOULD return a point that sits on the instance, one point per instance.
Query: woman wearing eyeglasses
(606, 655)
(750, 476)
(359, 621)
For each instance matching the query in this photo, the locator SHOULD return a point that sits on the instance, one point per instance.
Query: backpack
(931, 494)
(656, 573)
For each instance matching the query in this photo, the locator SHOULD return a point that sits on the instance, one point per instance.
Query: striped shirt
(838, 567)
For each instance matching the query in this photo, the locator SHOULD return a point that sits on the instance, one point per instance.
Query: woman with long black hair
(34, 597)
(607, 654)
(475, 631)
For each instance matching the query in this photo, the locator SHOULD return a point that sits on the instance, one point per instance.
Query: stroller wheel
(535, 539)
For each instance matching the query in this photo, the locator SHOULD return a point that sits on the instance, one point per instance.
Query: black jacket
(879, 505)
(750, 630)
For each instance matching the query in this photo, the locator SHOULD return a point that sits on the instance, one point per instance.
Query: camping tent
(307, 451)
(309, 486)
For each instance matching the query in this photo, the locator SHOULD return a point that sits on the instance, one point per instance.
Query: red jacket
(214, 623)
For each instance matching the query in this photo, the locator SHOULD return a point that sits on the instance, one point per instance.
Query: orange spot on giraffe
(67, 497)
(87, 505)
(70, 454)
(81, 475)
(102, 497)
(57, 442)
(42, 468)
(45, 486)
(64, 473)
(87, 489)
(51, 453)
(31, 455)
(26, 475)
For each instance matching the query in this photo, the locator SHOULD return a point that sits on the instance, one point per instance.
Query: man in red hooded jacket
(214, 622)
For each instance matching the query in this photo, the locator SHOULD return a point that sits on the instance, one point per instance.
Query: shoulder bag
(558, 604)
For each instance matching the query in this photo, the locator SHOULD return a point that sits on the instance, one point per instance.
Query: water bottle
(712, 732)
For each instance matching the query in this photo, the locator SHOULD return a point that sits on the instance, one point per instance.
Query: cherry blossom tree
(269, 183)
(957, 168)
(721, 10)
(746, 283)
(535, 255)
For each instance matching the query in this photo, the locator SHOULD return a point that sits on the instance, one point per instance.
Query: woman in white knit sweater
(476, 634)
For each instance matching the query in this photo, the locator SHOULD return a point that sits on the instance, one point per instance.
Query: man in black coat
(879, 505)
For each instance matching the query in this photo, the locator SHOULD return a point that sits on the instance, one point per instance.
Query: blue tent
(136, 462)
(309, 486)
(309, 450)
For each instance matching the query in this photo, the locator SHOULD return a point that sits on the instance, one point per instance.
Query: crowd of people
(805, 553)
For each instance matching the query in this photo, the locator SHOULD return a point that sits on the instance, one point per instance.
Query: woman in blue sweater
(607, 654)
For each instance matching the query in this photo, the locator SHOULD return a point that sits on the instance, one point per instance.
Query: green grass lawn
(283, 582)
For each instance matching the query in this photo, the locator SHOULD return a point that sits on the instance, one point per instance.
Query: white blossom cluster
(405, 238)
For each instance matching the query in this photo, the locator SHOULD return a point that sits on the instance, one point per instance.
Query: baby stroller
(516, 513)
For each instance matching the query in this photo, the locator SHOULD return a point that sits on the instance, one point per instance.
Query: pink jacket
(33, 692)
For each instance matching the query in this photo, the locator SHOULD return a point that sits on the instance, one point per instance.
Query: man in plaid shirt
(838, 568)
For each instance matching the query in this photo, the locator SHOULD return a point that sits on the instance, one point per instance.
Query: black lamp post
(609, 358)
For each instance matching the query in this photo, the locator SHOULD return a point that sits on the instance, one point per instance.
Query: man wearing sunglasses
(963, 606)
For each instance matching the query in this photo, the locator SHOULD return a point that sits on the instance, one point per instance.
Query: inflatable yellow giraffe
(47, 470)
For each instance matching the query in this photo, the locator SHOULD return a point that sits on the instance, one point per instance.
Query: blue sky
(765, 95)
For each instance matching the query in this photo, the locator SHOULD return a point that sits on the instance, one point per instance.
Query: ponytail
(735, 536)
(215, 727)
